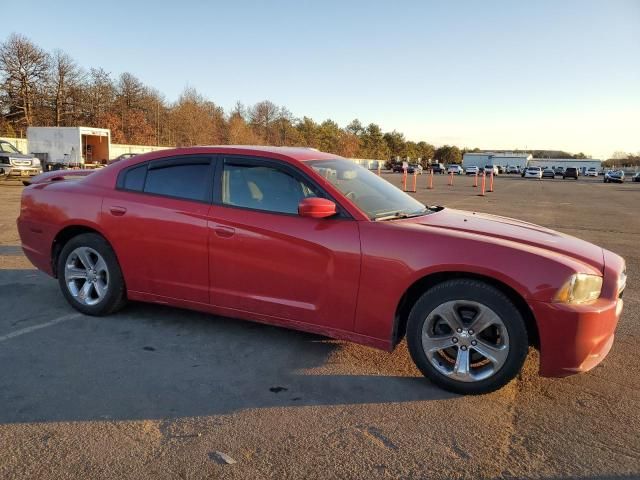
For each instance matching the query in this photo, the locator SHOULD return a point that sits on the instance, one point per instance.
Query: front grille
(22, 163)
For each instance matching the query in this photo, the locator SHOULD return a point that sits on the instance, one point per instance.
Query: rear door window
(186, 178)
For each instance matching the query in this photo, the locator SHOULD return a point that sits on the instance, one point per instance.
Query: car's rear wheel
(467, 336)
(89, 275)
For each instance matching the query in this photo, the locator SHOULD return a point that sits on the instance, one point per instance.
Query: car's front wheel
(89, 275)
(467, 336)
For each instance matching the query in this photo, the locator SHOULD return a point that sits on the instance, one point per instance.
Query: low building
(480, 159)
(476, 159)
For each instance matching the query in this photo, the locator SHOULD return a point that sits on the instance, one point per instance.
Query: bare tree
(240, 110)
(263, 116)
(238, 132)
(23, 67)
(65, 79)
(130, 97)
(286, 133)
(195, 120)
(99, 93)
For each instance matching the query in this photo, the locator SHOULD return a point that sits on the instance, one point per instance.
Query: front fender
(394, 258)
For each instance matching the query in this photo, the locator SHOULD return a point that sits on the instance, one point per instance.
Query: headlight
(580, 288)
(35, 162)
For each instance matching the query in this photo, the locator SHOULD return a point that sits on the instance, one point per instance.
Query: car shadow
(149, 361)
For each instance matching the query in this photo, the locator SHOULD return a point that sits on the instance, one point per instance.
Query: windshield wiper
(399, 214)
(390, 216)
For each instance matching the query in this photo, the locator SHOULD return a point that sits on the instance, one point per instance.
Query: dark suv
(398, 168)
(438, 168)
(570, 172)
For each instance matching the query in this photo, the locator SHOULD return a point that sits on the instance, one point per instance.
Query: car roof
(294, 153)
(107, 176)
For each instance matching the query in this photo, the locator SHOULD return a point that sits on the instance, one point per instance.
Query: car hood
(518, 231)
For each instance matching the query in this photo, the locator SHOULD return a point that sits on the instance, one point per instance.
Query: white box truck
(70, 147)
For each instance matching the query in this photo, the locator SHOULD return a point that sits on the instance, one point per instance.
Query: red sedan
(307, 240)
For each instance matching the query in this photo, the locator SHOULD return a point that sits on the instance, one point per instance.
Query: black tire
(482, 293)
(115, 297)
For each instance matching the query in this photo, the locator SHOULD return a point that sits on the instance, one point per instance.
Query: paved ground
(155, 392)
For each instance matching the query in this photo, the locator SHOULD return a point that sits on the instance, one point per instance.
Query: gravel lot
(161, 393)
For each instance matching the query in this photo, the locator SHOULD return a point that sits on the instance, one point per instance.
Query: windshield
(6, 147)
(374, 196)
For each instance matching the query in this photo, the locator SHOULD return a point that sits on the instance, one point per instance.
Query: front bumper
(575, 338)
(20, 171)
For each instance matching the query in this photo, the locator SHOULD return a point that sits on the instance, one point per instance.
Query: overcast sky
(540, 74)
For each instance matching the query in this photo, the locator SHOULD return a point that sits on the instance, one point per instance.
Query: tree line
(622, 159)
(50, 89)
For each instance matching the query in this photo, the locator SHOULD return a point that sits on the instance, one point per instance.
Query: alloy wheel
(86, 275)
(465, 340)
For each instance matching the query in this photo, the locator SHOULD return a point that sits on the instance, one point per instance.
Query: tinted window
(263, 188)
(185, 180)
(134, 178)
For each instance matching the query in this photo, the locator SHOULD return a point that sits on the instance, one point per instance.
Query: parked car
(559, 170)
(616, 176)
(570, 172)
(488, 169)
(548, 173)
(411, 168)
(438, 168)
(473, 170)
(124, 156)
(15, 163)
(513, 169)
(533, 172)
(591, 172)
(500, 169)
(636, 177)
(304, 239)
(457, 169)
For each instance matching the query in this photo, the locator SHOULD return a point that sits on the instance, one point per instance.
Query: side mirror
(315, 207)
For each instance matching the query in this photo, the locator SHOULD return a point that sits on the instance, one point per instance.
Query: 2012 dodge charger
(311, 241)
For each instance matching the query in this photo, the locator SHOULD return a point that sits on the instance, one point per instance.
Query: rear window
(134, 178)
(186, 181)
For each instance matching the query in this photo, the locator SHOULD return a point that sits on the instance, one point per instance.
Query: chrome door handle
(118, 211)
(224, 232)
